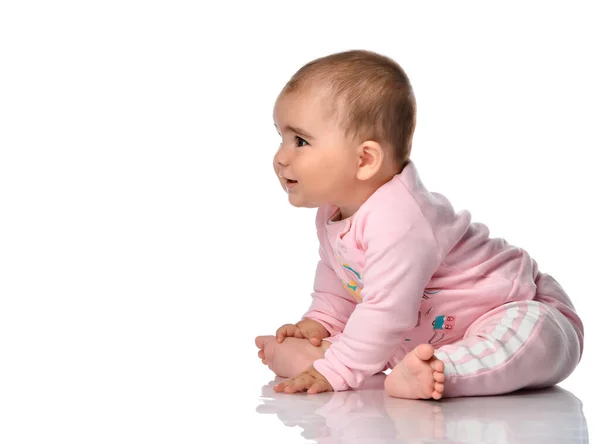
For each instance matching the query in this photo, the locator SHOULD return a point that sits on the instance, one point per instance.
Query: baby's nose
(281, 158)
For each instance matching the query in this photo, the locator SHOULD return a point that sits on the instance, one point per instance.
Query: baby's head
(347, 122)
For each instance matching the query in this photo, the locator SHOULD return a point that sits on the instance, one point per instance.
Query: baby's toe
(439, 387)
(437, 365)
(261, 341)
(424, 352)
(439, 377)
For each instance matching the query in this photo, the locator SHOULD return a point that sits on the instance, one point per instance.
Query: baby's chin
(301, 203)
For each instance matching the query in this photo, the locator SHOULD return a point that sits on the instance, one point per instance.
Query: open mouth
(290, 181)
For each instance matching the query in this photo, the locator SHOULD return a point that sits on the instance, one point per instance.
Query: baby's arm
(331, 304)
(401, 255)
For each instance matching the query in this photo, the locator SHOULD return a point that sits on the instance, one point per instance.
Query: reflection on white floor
(370, 416)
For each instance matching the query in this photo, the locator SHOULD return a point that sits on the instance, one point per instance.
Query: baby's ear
(370, 159)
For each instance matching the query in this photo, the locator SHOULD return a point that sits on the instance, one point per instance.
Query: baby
(403, 282)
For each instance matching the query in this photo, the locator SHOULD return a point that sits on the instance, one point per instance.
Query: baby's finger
(315, 340)
(318, 387)
(285, 331)
(299, 383)
(261, 354)
(281, 332)
(281, 386)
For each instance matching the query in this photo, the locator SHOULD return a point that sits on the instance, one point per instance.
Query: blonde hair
(371, 92)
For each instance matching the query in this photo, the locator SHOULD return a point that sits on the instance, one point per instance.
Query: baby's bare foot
(420, 375)
(290, 357)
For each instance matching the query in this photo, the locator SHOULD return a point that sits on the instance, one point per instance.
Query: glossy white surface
(368, 415)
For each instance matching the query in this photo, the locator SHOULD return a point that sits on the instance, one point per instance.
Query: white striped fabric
(503, 353)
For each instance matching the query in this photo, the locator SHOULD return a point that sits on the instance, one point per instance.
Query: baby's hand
(310, 381)
(306, 328)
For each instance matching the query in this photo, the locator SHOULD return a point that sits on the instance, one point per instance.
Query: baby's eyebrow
(296, 130)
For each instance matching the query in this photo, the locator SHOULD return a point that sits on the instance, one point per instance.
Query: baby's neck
(357, 196)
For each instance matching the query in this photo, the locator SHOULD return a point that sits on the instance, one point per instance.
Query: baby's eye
(299, 141)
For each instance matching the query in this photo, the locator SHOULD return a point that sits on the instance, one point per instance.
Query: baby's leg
(291, 357)
(523, 344)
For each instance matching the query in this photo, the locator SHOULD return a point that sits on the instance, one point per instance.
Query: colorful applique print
(418, 324)
(420, 314)
(353, 287)
(354, 290)
(347, 267)
(428, 294)
(441, 323)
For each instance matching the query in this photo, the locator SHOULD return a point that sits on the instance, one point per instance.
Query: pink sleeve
(401, 255)
(331, 304)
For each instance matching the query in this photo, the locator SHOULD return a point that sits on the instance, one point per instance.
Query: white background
(145, 241)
